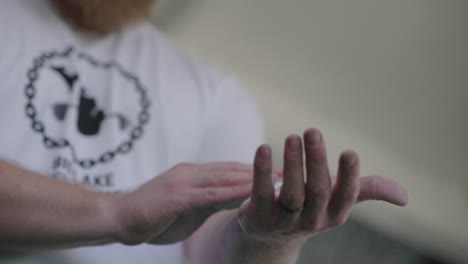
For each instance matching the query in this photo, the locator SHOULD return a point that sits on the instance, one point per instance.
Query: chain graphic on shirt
(81, 104)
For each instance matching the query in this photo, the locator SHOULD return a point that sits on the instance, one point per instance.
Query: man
(100, 115)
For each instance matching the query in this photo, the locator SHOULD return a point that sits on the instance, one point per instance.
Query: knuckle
(318, 157)
(263, 196)
(172, 183)
(293, 155)
(374, 184)
(313, 225)
(293, 200)
(348, 198)
(184, 166)
(320, 194)
(237, 166)
(351, 197)
(340, 220)
(175, 186)
(211, 194)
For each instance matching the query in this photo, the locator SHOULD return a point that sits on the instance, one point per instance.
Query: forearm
(221, 240)
(38, 212)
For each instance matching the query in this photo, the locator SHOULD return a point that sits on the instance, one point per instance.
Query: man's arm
(37, 212)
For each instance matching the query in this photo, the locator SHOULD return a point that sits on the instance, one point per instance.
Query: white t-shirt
(111, 113)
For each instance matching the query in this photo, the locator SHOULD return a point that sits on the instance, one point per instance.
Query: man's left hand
(313, 201)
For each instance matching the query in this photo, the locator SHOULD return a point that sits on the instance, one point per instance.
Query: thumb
(382, 189)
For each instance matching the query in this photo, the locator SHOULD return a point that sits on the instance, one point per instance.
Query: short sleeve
(235, 127)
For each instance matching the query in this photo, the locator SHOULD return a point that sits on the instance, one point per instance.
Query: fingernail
(294, 143)
(349, 159)
(404, 197)
(265, 151)
(314, 138)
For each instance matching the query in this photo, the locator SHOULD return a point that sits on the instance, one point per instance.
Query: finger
(229, 166)
(223, 178)
(261, 202)
(212, 196)
(382, 189)
(318, 186)
(292, 196)
(346, 190)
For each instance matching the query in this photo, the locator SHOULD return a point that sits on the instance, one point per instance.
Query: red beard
(103, 16)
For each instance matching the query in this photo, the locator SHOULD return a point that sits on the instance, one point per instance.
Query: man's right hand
(170, 207)
(39, 212)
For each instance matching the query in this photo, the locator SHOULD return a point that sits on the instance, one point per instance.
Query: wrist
(131, 222)
(273, 239)
(118, 218)
(108, 210)
(262, 241)
(242, 247)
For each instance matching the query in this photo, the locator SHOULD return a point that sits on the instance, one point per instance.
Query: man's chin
(103, 16)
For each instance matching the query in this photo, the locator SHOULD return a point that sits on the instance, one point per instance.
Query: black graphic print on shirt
(90, 116)
(87, 112)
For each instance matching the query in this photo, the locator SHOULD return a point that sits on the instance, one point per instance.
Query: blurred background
(386, 78)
